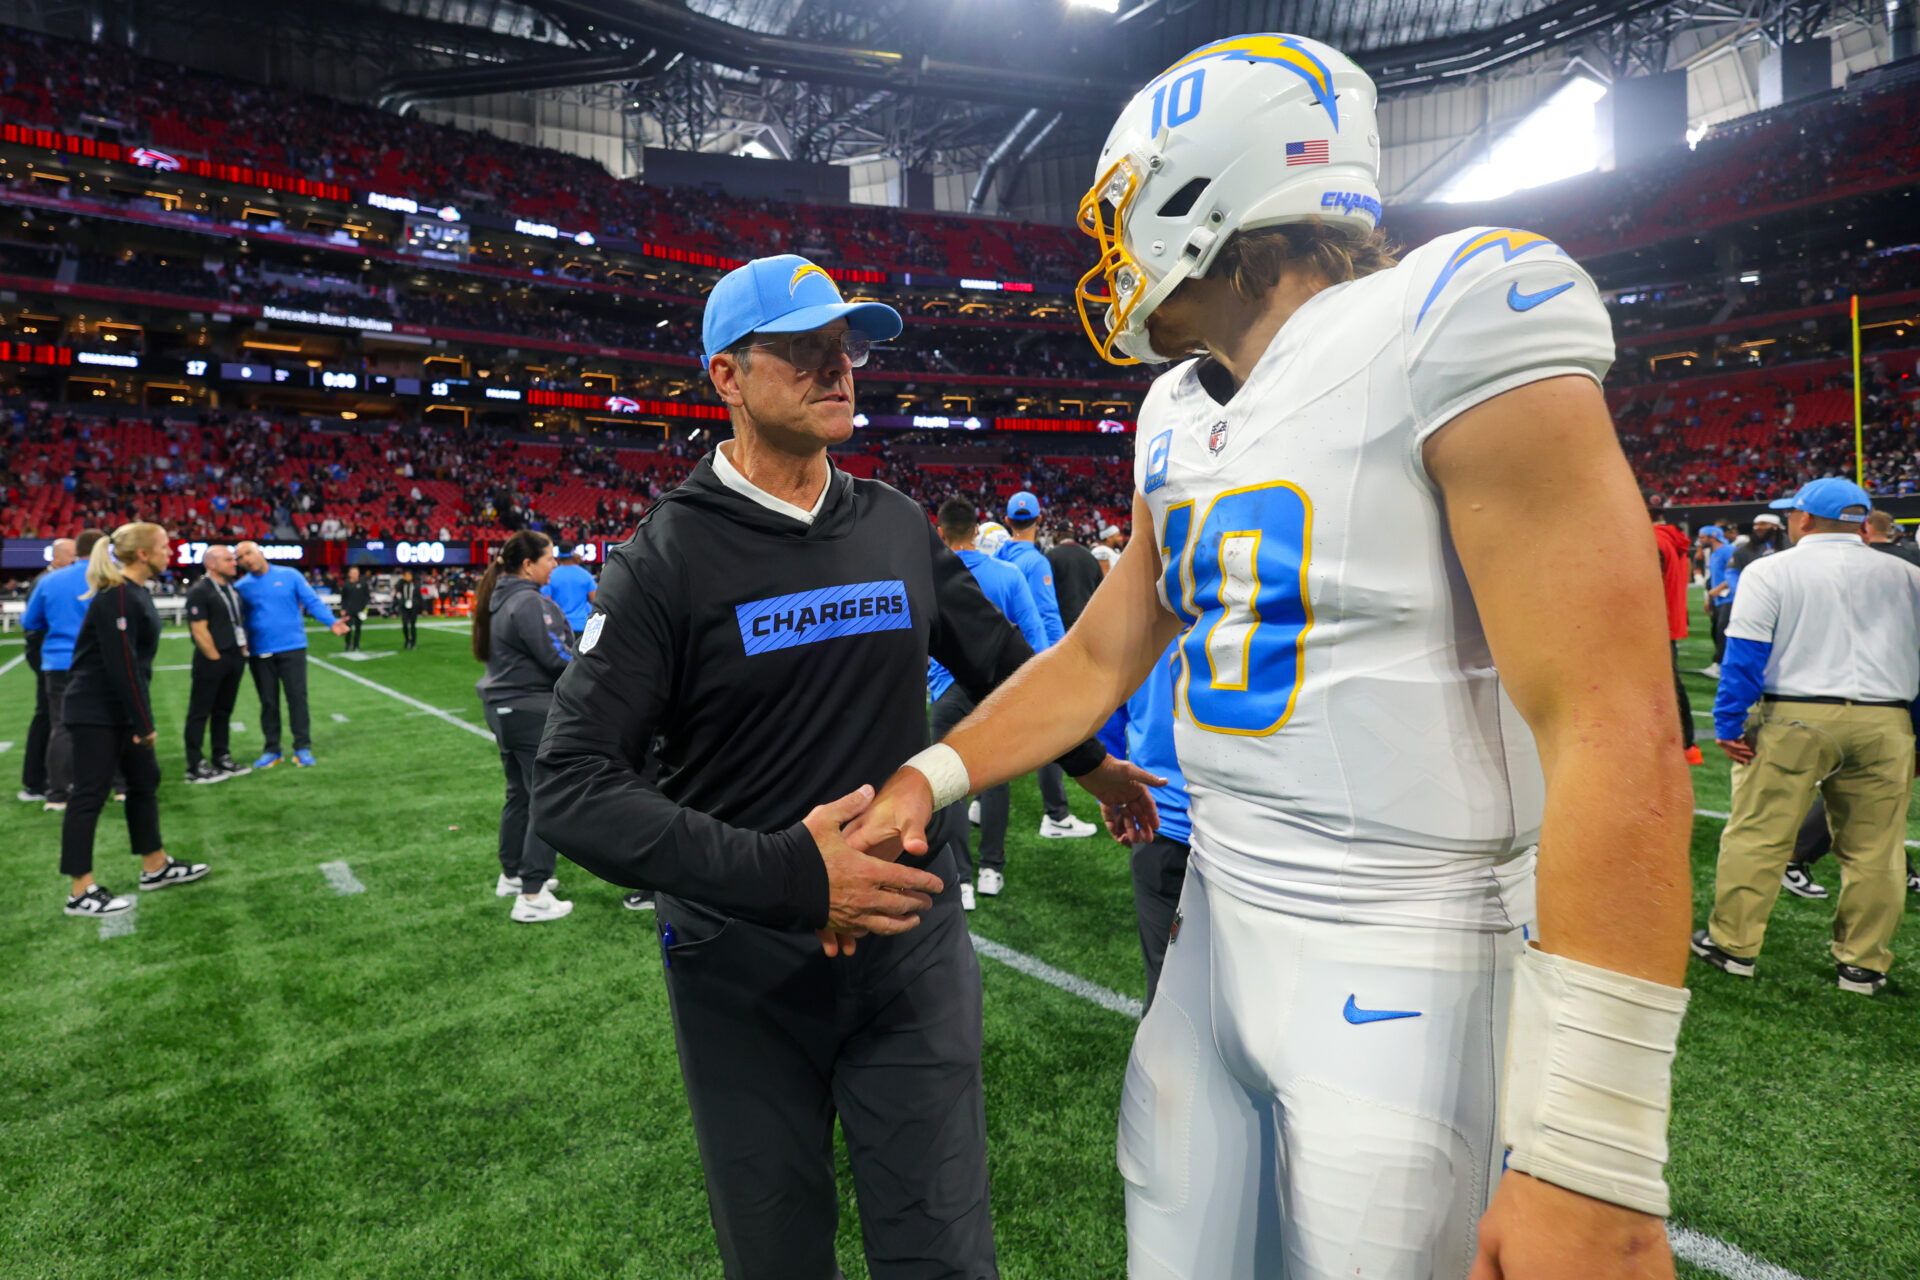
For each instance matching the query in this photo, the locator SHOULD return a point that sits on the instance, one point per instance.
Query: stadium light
(1104, 6)
(1559, 139)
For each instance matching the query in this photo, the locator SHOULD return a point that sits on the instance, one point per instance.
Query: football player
(1370, 1053)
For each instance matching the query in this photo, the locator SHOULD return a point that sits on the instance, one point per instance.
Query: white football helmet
(991, 537)
(1241, 133)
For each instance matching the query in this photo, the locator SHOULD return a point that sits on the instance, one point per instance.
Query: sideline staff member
(1826, 637)
(219, 660)
(33, 771)
(275, 596)
(771, 619)
(356, 594)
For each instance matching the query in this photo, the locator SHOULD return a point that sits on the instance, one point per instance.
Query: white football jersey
(1349, 750)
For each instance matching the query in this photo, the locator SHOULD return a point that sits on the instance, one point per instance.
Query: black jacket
(113, 661)
(529, 645)
(1076, 576)
(406, 596)
(782, 664)
(206, 603)
(355, 596)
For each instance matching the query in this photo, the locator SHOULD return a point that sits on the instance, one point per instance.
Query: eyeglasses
(813, 351)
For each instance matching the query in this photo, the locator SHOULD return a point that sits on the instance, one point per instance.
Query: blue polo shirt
(1007, 590)
(55, 607)
(274, 601)
(569, 588)
(1033, 566)
(1148, 720)
(1720, 569)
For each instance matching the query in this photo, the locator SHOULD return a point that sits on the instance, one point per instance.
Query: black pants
(776, 1040)
(33, 770)
(1159, 871)
(273, 672)
(353, 631)
(59, 736)
(1721, 614)
(216, 687)
(522, 853)
(409, 627)
(1053, 792)
(99, 752)
(1686, 704)
(996, 803)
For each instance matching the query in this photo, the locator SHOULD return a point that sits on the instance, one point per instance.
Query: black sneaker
(203, 773)
(1797, 882)
(96, 901)
(641, 901)
(175, 872)
(1862, 982)
(1706, 949)
(231, 768)
(1913, 881)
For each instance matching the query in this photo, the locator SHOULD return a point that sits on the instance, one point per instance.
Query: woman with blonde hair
(109, 715)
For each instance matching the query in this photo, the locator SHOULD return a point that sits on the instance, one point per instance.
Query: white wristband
(1590, 1079)
(944, 771)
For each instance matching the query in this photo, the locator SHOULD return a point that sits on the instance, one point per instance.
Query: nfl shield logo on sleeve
(591, 636)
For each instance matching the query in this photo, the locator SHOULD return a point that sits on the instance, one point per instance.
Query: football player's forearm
(1050, 705)
(1615, 885)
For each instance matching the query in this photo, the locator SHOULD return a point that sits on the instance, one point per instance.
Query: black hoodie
(782, 664)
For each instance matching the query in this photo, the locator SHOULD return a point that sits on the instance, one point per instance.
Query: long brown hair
(1252, 261)
(514, 555)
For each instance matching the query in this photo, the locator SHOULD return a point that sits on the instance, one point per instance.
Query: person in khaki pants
(1825, 639)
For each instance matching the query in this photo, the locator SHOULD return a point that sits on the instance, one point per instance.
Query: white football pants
(1312, 1101)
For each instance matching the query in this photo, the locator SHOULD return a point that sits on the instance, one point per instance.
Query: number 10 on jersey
(1240, 586)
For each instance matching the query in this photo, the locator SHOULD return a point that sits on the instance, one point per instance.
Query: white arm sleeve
(1492, 309)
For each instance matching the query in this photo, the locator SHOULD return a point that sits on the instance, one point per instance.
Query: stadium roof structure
(960, 85)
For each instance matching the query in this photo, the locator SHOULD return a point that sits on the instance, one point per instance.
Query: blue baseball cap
(1023, 506)
(1829, 499)
(785, 294)
(1713, 531)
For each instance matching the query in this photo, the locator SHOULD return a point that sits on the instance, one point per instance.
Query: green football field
(266, 1076)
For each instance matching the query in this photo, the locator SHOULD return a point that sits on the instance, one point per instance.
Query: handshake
(862, 835)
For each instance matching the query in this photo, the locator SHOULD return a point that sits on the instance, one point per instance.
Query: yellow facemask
(1120, 281)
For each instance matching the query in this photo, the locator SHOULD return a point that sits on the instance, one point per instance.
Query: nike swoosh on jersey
(1528, 301)
(1356, 1015)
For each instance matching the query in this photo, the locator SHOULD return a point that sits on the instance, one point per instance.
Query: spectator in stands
(526, 643)
(33, 769)
(1826, 640)
(55, 611)
(275, 596)
(109, 713)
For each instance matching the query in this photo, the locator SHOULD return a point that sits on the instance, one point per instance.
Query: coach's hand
(864, 894)
(1126, 804)
(339, 627)
(896, 821)
(1534, 1230)
(1738, 750)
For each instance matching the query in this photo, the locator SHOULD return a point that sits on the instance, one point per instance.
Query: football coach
(771, 619)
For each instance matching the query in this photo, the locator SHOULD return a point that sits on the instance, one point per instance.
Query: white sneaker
(507, 886)
(1711, 671)
(540, 909)
(990, 882)
(39, 797)
(967, 900)
(1071, 828)
(973, 811)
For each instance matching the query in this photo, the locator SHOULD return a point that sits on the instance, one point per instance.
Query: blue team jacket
(55, 608)
(1007, 590)
(273, 602)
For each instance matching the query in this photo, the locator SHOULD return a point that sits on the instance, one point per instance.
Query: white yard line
(11, 663)
(338, 718)
(5, 747)
(341, 877)
(398, 696)
(1707, 1252)
(121, 923)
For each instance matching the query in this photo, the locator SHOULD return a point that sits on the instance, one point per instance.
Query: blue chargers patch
(1157, 454)
(808, 617)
